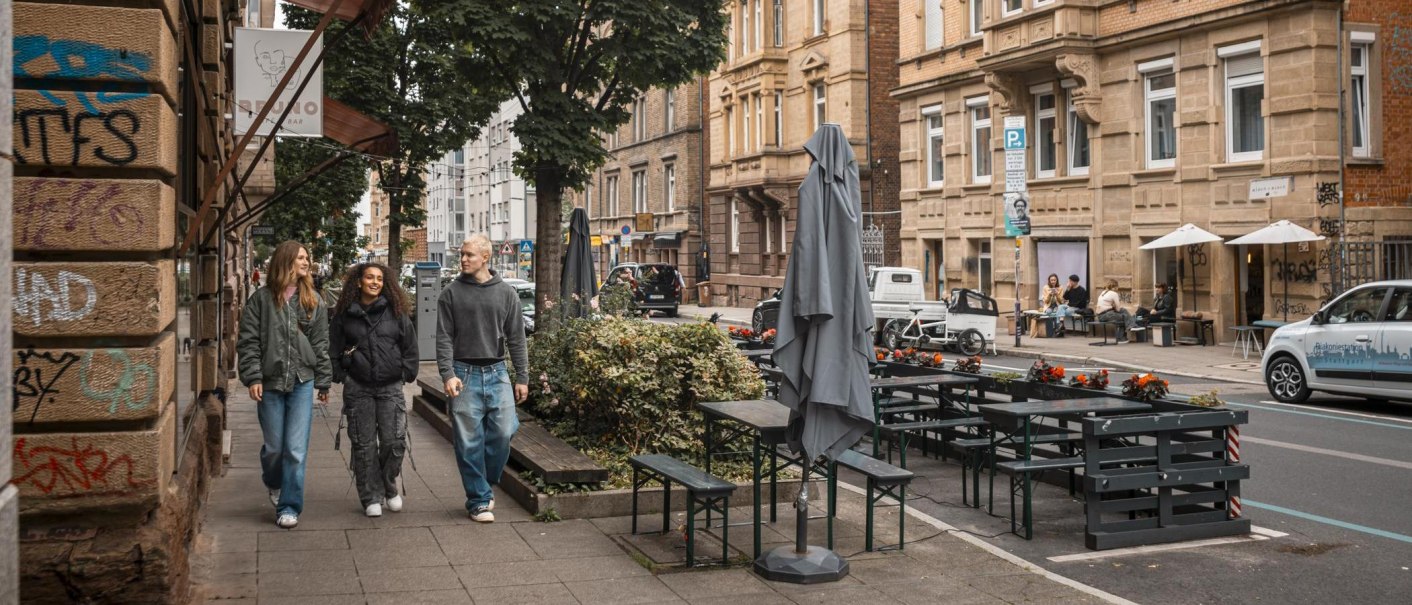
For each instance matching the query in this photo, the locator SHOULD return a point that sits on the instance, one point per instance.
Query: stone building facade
(1141, 116)
(122, 346)
(651, 185)
(791, 66)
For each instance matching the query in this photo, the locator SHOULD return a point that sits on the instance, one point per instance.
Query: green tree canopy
(576, 66)
(320, 213)
(418, 77)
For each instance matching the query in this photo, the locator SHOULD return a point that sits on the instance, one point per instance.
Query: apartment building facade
(1141, 116)
(793, 65)
(644, 204)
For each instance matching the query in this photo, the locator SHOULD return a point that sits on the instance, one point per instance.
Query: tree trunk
(549, 235)
(394, 242)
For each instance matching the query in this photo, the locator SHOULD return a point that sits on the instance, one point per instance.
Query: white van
(1360, 344)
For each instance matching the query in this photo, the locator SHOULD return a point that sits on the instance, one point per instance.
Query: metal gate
(874, 242)
(1357, 263)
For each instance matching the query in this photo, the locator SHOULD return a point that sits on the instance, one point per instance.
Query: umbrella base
(815, 566)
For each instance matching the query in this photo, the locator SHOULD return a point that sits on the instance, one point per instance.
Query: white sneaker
(482, 515)
(287, 521)
(373, 510)
(394, 504)
(274, 497)
(491, 505)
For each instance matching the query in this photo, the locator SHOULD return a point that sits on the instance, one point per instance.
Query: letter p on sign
(1014, 138)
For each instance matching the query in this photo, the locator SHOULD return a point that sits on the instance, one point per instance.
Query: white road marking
(1306, 408)
(1327, 452)
(1269, 533)
(1253, 536)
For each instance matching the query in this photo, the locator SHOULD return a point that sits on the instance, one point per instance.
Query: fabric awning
(667, 239)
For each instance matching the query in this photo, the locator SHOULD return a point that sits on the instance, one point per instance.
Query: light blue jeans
(483, 419)
(284, 419)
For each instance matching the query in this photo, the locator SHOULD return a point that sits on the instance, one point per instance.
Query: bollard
(1233, 457)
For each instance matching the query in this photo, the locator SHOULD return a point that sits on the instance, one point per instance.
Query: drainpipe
(703, 247)
(1342, 134)
(868, 105)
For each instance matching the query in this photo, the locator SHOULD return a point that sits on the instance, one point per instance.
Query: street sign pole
(1018, 323)
(1016, 202)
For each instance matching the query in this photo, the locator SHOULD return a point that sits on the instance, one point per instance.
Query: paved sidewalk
(1216, 362)
(432, 553)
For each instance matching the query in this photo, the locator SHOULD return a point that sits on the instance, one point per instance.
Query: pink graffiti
(74, 469)
(84, 203)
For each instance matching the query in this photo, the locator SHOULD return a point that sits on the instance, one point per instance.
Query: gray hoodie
(479, 320)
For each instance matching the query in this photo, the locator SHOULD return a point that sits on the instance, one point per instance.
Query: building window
(759, 22)
(936, 169)
(610, 194)
(1010, 7)
(639, 120)
(744, 27)
(1245, 91)
(819, 17)
(1046, 124)
(932, 16)
(1358, 90)
(1077, 131)
(779, 124)
(977, 14)
(779, 23)
(639, 192)
(735, 226)
(759, 121)
(980, 139)
(769, 239)
(747, 141)
(669, 183)
(670, 115)
(820, 100)
(984, 267)
(784, 223)
(588, 200)
(1161, 95)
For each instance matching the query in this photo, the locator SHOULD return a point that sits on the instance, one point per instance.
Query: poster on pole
(1017, 213)
(262, 58)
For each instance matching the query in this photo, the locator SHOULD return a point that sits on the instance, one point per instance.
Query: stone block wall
(104, 156)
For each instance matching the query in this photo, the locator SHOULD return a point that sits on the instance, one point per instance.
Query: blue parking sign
(1014, 138)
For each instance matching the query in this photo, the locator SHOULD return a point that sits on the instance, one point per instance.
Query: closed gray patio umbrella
(577, 283)
(823, 342)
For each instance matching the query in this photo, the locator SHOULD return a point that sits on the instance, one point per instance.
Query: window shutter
(1244, 65)
(933, 23)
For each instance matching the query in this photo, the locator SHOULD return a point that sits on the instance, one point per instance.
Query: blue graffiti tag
(125, 391)
(78, 60)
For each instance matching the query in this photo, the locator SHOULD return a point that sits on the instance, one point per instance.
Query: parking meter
(428, 281)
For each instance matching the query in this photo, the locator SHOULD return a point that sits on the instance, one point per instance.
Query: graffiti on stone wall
(133, 387)
(109, 134)
(1329, 227)
(35, 376)
(59, 208)
(1305, 272)
(1297, 308)
(1196, 255)
(41, 300)
(43, 58)
(81, 468)
(1326, 194)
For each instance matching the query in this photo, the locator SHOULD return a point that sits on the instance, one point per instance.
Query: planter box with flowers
(745, 338)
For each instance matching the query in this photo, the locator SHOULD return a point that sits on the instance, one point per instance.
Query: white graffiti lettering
(32, 290)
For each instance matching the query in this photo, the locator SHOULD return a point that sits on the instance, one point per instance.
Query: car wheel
(1285, 380)
(970, 342)
(891, 336)
(757, 321)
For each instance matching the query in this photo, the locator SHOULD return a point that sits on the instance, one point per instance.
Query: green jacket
(283, 346)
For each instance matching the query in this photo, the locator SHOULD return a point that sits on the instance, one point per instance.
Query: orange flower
(936, 358)
(1081, 378)
(1058, 371)
(882, 356)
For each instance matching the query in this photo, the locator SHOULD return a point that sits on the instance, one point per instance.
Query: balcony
(1037, 37)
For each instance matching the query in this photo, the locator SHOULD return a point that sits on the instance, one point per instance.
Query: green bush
(616, 387)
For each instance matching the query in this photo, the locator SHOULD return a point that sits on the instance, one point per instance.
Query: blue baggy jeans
(483, 420)
(285, 417)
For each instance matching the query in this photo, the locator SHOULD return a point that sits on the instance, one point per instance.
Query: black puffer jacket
(384, 345)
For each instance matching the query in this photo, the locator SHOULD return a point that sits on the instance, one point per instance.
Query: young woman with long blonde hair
(284, 358)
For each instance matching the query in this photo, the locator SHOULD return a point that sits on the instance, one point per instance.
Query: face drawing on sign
(273, 62)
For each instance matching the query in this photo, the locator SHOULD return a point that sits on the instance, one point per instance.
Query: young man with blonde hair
(478, 320)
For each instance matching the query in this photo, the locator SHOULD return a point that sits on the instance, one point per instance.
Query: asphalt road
(1333, 475)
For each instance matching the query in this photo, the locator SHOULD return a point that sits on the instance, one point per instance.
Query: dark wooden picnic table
(1019, 418)
(884, 384)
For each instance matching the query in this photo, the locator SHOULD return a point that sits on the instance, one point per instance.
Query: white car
(1360, 344)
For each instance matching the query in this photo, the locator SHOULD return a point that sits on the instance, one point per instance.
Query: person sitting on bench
(1164, 308)
(1110, 310)
(1075, 299)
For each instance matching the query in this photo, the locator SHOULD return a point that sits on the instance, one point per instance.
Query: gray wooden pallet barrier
(1159, 478)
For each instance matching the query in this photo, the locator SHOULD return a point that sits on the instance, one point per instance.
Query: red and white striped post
(1233, 457)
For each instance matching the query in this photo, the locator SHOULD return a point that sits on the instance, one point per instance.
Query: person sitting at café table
(1075, 299)
(1110, 310)
(1051, 299)
(1164, 308)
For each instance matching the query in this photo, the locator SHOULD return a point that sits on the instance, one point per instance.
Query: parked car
(1360, 344)
(526, 291)
(655, 286)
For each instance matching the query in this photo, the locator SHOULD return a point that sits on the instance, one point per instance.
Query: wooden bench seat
(535, 449)
(883, 479)
(711, 492)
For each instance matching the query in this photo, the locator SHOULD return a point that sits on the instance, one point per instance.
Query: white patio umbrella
(1280, 232)
(1185, 235)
